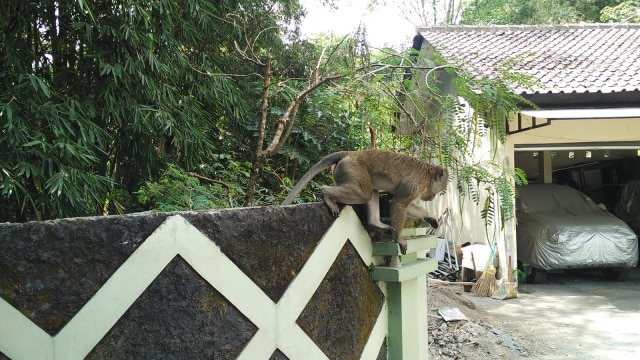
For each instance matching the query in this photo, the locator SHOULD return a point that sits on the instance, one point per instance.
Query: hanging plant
(451, 114)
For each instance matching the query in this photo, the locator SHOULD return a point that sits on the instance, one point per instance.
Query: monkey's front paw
(333, 209)
(403, 247)
(432, 222)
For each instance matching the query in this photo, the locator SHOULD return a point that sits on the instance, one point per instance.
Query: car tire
(615, 275)
(536, 276)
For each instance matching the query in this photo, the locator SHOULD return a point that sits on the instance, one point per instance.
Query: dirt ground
(574, 315)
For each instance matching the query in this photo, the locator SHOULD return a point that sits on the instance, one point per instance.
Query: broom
(486, 285)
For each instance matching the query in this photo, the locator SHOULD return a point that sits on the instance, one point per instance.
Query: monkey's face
(438, 183)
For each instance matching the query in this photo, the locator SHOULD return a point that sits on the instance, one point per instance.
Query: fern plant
(452, 115)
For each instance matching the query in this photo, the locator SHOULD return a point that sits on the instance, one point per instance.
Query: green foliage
(109, 106)
(336, 116)
(590, 10)
(176, 191)
(521, 275)
(514, 12)
(441, 128)
(451, 132)
(625, 11)
(499, 185)
(219, 184)
(97, 97)
(51, 151)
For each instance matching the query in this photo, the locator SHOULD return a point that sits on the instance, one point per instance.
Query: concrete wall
(253, 283)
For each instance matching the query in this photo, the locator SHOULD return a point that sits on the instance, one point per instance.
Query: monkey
(358, 175)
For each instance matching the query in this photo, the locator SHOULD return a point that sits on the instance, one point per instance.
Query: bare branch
(264, 107)
(206, 73)
(287, 119)
(244, 55)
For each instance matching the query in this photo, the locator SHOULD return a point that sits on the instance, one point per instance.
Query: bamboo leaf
(43, 87)
(32, 143)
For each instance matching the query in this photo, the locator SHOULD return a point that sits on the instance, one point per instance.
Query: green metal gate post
(406, 297)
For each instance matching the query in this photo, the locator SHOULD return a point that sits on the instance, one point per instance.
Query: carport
(597, 147)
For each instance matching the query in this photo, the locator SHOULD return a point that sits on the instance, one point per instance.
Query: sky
(384, 26)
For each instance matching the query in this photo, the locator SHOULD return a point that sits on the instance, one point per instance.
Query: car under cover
(628, 208)
(561, 228)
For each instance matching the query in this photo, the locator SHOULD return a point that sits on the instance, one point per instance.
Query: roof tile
(577, 58)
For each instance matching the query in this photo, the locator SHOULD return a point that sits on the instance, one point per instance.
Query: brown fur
(358, 175)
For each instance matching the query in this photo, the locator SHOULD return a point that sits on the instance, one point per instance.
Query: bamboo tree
(97, 98)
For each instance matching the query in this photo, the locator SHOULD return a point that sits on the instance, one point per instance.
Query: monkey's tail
(324, 163)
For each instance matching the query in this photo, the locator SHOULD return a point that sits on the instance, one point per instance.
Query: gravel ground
(477, 337)
(574, 315)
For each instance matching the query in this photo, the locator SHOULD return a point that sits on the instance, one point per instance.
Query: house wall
(466, 223)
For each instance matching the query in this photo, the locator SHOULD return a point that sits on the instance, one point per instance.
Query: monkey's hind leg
(352, 186)
(373, 214)
(329, 202)
(398, 212)
(345, 194)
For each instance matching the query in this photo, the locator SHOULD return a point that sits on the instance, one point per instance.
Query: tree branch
(264, 107)
(287, 119)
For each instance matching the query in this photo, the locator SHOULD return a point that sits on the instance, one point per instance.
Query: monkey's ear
(439, 174)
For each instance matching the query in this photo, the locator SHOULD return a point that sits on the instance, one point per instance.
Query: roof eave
(588, 99)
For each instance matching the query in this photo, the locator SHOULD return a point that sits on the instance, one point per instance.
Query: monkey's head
(439, 178)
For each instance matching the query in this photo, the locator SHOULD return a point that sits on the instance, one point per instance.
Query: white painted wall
(466, 223)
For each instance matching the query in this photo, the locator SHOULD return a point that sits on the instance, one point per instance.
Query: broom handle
(493, 253)
(510, 275)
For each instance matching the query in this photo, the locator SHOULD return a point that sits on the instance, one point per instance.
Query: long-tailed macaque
(358, 175)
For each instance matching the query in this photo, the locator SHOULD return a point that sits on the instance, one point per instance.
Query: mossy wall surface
(49, 270)
(171, 317)
(352, 301)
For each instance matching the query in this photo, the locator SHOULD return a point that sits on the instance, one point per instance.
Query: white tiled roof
(576, 58)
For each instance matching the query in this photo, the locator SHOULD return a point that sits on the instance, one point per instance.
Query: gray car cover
(628, 208)
(561, 228)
